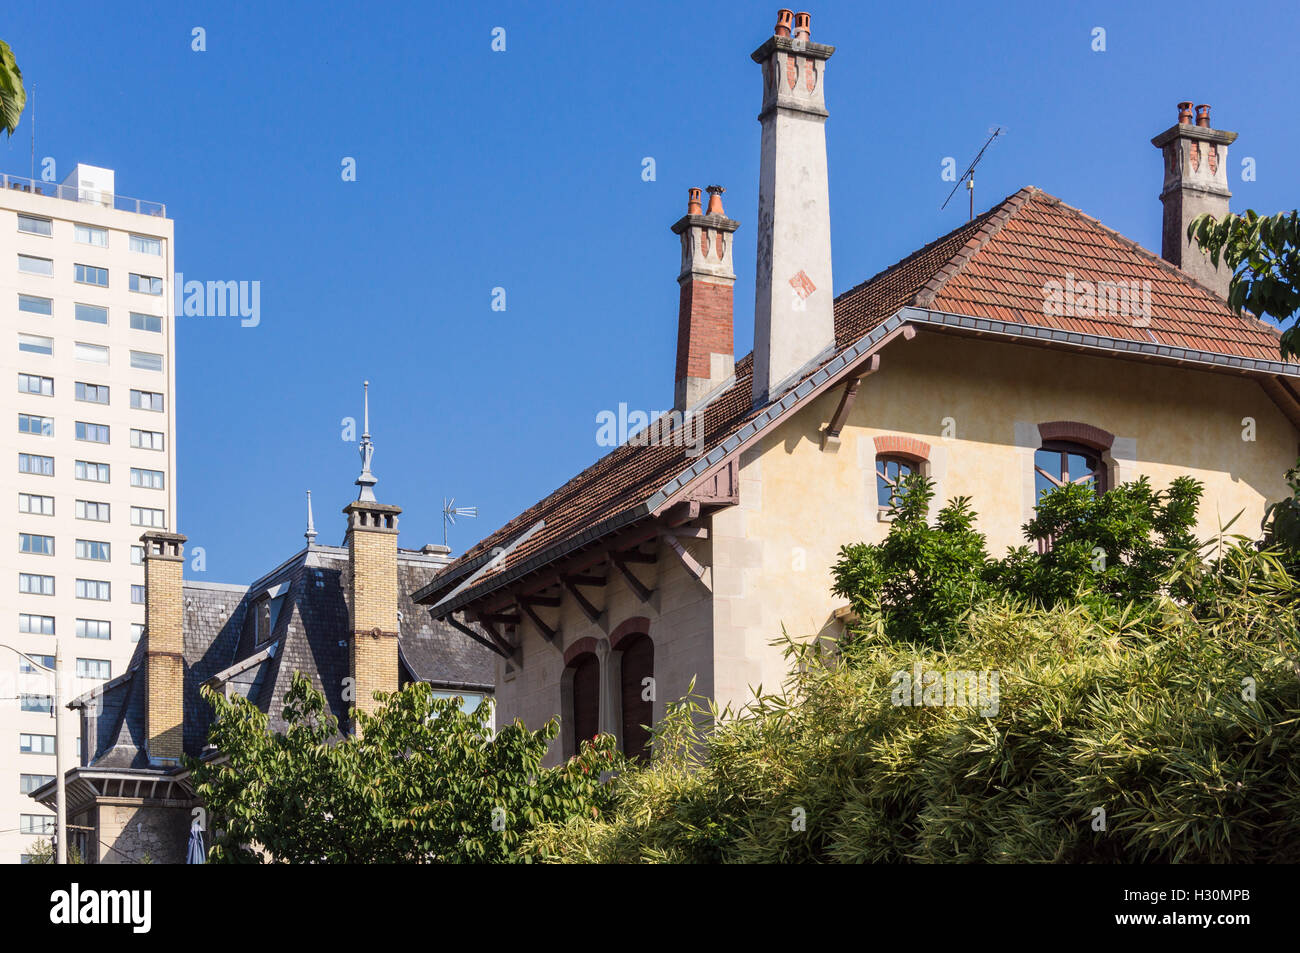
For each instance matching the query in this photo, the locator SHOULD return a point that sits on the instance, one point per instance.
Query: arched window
(890, 471)
(1062, 462)
(896, 458)
(584, 703)
(637, 666)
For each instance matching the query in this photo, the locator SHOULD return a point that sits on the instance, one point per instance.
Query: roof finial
(367, 479)
(311, 525)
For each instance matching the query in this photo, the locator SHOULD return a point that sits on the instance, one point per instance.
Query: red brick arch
(1075, 432)
(902, 447)
(636, 625)
(580, 647)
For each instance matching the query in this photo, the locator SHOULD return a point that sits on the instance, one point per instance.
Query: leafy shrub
(1181, 728)
(424, 782)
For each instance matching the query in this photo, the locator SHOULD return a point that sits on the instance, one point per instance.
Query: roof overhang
(84, 787)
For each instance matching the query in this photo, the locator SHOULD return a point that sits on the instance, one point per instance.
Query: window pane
(92, 313)
(34, 305)
(31, 265)
(146, 322)
(35, 226)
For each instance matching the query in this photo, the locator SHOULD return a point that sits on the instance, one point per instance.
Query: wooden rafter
(547, 632)
(571, 583)
(636, 585)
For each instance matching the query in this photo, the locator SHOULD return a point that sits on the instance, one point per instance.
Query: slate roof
(306, 634)
(995, 266)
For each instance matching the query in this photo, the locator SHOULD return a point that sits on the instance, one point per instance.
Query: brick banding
(583, 646)
(1076, 432)
(636, 625)
(902, 447)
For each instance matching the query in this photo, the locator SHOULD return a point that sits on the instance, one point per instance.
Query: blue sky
(522, 170)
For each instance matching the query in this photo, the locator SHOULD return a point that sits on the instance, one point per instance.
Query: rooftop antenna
(969, 175)
(449, 513)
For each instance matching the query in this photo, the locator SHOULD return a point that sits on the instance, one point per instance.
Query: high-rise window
(40, 426)
(92, 393)
(97, 589)
(35, 226)
(36, 625)
(35, 344)
(146, 245)
(31, 265)
(149, 479)
(137, 631)
(92, 433)
(35, 504)
(35, 545)
(94, 668)
(34, 305)
(146, 361)
(27, 783)
(93, 549)
(146, 284)
(27, 668)
(36, 464)
(147, 439)
(146, 322)
(36, 384)
(137, 595)
(90, 312)
(36, 744)
(90, 235)
(148, 516)
(94, 629)
(38, 703)
(90, 275)
(90, 353)
(35, 585)
(36, 824)
(146, 400)
(93, 472)
(89, 510)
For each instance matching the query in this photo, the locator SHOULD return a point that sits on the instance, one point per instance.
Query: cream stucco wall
(799, 504)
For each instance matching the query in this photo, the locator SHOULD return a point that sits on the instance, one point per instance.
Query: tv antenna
(449, 513)
(969, 175)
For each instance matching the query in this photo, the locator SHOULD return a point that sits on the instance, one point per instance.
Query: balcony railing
(84, 195)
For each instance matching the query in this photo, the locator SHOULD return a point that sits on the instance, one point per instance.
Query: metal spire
(311, 526)
(367, 479)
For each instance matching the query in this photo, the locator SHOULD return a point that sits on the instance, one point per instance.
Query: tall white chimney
(794, 322)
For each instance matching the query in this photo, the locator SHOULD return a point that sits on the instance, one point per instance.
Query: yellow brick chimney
(164, 616)
(372, 594)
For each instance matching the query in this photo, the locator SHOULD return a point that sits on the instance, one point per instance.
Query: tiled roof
(996, 266)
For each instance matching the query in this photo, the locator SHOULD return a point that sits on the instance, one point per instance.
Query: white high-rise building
(87, 455)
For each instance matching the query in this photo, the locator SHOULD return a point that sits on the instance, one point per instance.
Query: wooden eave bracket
(493, 642)
(693, 565)
(526, 604)
(831, 433)
(571, 584)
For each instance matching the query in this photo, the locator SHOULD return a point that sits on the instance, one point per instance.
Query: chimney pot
(803, 25)
(693, 202)
(1203, 115)
(783, 18)
(715, 199)
(1185, 114)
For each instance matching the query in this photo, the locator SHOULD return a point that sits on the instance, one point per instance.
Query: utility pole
(60, 801)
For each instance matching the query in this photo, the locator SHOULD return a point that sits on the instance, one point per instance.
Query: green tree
(424, 782)
(1264, 255)
(917, 584)
(12, 95)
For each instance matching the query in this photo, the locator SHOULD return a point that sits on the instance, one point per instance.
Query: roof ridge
(996, 218)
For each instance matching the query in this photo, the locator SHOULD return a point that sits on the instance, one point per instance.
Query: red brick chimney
(705, 345)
